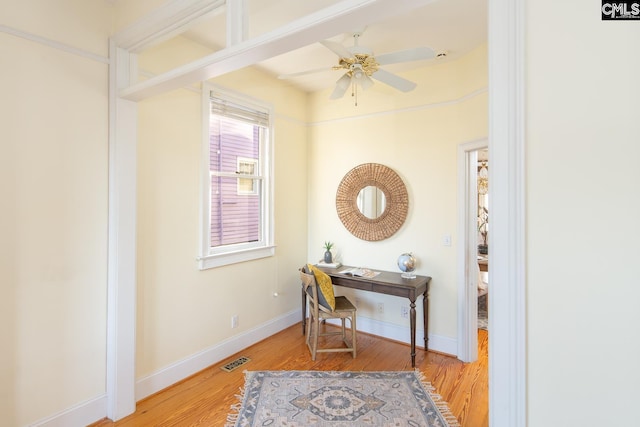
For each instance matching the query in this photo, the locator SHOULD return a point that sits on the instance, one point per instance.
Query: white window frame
(256, 168)
(230, 254)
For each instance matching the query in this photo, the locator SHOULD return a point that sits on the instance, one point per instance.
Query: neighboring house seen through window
(247, 167)
(238, 220)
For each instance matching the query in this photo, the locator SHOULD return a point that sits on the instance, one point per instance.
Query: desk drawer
(395, 291)
(352, 283)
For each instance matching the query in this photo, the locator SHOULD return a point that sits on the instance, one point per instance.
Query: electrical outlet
(404, 311)
(234, 321)
(380, 308)
(446, 240)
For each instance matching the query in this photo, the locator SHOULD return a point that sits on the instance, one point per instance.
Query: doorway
(469, 277)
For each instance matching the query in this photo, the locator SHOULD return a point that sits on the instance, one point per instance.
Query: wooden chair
(317, 313)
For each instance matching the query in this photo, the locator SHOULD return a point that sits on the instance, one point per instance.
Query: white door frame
(467, 249)
(507, 337)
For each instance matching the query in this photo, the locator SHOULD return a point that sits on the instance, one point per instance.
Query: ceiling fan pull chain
(354, 92)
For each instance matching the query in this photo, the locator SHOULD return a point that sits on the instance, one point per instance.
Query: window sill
(219, 260)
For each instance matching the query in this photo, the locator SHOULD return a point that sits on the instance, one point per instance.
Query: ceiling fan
(362, 67)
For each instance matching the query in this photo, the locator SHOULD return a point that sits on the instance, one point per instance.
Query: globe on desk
(407, 264)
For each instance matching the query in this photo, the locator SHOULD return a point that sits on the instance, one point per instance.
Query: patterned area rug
(339, 399)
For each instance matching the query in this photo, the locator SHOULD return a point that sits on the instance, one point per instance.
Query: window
(237, 216)
(247, 167)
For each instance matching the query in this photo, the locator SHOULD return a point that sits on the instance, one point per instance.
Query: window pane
(235, 202)
(229, 140)
(247, 167)
(234, 218)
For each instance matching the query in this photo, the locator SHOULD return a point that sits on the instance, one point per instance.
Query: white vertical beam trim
(237, 21)
(121, 280)
(507, 340)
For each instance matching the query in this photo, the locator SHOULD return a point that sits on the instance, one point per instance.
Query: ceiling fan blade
(341, 86)
(365, 81)
(394, 81)
(336, 48)
(303, 73)
(416, 54)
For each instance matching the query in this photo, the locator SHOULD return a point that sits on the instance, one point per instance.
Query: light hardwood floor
(205, 398)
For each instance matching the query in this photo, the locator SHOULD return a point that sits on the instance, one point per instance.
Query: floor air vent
(235, 364)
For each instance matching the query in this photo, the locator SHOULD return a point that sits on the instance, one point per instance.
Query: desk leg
(304, 312)
(412, 317)
(425, 303)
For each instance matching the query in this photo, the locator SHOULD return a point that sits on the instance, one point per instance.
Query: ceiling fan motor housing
(360, 63)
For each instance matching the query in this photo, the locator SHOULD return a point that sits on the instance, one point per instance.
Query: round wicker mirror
(396, 202)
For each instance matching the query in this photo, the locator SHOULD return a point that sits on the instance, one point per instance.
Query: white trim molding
(82, 414)
(195, 363)
(121, 275)
(507, 316)
(439, 104)
(54, 44)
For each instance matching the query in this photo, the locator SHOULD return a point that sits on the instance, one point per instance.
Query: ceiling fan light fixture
(357, 71)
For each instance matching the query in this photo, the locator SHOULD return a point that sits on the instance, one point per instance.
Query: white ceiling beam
(237, 18)
(339, 18)
(165, 22)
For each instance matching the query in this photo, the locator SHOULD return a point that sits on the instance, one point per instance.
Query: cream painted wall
(417, 135)
(582, 215)
(182, 310)
(53, 221)
(62, 21)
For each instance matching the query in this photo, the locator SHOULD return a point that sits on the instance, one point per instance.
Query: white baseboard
(83, 414)
(182, 369)
(403, 334)
(95, 409)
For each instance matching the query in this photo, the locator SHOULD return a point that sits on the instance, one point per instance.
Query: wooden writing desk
(385, 283)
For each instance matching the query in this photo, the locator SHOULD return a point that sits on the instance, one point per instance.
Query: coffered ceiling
(449, 27)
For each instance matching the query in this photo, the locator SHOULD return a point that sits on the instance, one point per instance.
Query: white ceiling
(452, 26)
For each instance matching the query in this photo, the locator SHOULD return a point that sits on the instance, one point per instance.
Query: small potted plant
(328, 257)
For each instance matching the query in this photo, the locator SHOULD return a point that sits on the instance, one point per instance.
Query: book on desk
(321, 263)
(359, 272)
